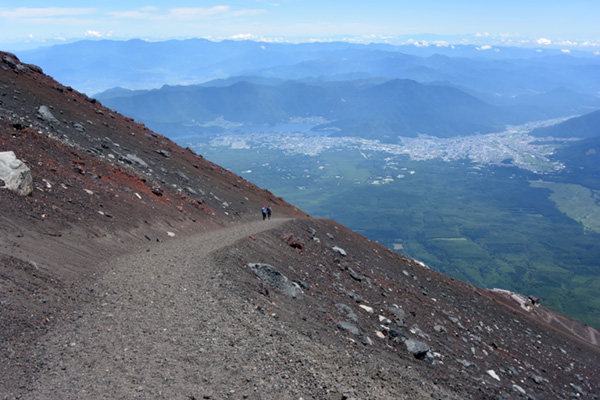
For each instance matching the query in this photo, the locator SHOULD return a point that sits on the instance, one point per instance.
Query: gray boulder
(399, 313)
(14, 174)
(416, 348)
(344, 309)
(45, 114)
(276, 280)
(349, 327)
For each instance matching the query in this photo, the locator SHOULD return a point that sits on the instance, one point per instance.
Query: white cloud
(509, 35)
(244, 36)
(96, 34)
(484, 47)
(590, 44)
(48, 12)
(544, 42)
(567, 43)
(183, 13)
(483, 34)
(418, 43)
(567, 51)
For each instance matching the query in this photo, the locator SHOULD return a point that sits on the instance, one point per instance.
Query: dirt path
(158, 324)
(167, 322)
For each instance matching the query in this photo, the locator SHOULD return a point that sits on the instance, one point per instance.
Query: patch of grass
(577, 202)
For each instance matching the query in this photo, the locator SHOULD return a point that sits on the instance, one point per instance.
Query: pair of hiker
(266, 212)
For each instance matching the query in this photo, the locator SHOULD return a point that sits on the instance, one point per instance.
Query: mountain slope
(585, 126)
(136, 269)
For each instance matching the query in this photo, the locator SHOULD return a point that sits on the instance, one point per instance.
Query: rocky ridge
(120, 220)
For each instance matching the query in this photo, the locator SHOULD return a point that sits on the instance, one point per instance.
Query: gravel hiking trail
(171, 321)
(160, 326)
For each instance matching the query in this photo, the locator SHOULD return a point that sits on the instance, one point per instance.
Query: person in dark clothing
(269, 212)
(264, 212)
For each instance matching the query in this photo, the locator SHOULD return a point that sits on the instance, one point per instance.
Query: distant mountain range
(372, 109)
(502, 73)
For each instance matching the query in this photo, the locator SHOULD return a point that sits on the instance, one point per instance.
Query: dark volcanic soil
(137, 269)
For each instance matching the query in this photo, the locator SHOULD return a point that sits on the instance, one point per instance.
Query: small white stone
(367, 308)
(493, 374)
(520, 389)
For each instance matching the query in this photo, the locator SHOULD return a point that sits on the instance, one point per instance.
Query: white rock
(520, 389)
(384, 320)
(170, 234)
(339, 250)
(493, 374)
(367, 308)
(15, 174)
(380, 335)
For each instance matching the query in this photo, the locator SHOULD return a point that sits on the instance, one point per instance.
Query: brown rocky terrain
(138, 269)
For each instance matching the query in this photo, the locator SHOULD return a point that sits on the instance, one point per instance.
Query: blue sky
(560, 24)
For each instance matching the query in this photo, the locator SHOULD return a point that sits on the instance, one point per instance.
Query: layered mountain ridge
(138, 269)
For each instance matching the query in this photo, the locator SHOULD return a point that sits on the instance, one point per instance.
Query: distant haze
(549, 24)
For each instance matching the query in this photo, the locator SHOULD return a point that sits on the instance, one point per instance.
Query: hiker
(269, 212)
(264, 212)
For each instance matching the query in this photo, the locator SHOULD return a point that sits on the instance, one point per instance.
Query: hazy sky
(557, 23)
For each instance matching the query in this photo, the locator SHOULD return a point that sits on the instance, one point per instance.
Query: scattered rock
(578, 389)
(416, 348)
(537, 379)
(344, 309)
(293, 242)
(164, 153)
(519, 389)
(14, 174)
(350, 327)
(45, 114)
(132, 158)
(465, 363)
(367, 308)
(353, 274)
(339, 250)
(398, 313)
(276, 280)
(439, 329)
(78, 127)
(493, 374)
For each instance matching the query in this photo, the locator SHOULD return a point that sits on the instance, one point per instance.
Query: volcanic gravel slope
(137, 269)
